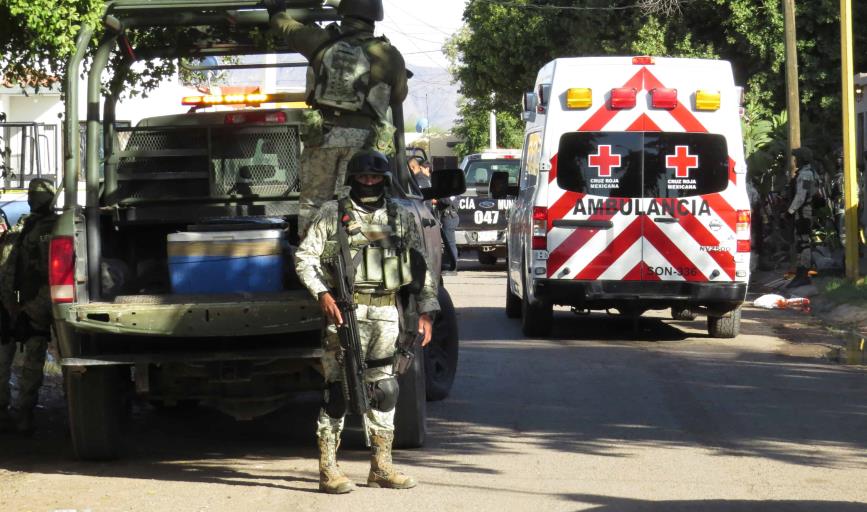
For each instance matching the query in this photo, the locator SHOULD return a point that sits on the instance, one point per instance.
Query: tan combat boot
(331, 478)
(382, 471)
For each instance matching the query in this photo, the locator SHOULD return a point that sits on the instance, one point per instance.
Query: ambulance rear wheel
(536, 319)
(727, 326)
(487, 258)
(410, 419)
(681, 313)
(513, 302)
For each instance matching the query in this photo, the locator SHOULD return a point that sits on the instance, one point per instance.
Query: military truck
(136, 313)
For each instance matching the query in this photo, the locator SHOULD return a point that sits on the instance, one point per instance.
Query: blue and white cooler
(213, 262)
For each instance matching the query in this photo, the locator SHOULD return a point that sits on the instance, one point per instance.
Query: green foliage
(475, 126)
(843, 291)
(765, 148)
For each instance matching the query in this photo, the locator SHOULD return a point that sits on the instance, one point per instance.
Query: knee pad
(333, 401)
(383, 394)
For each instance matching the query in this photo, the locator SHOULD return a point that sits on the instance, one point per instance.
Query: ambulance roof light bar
(623, 98)
(643, 60)
(240, 99)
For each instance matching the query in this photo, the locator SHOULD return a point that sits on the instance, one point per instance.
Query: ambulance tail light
(581, 97)
(61, 269)
(707, 100)
(255, 118)
(643, 60)
(663, 98)
(623, 98)
(540, 228)
(742, 230)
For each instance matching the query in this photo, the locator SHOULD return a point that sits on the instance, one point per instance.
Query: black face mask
(367, 194)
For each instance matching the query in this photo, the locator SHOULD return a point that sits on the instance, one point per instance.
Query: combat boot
(331, 478)
(382, 471)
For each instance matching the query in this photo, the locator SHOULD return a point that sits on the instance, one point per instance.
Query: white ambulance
(632, 193)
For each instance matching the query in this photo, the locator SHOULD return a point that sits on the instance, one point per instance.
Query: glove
(275, 6)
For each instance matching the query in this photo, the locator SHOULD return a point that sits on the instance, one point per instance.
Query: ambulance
(632, 193)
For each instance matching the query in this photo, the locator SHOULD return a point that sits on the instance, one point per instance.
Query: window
(479, 172)
(638, 164)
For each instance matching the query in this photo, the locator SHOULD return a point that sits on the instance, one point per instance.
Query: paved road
(591, 419)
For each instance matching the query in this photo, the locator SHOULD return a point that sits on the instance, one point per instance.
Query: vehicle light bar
(707, 100)
(61, 269)
(623, 98)
(580, 97)
(663, 98)
(238, 99)
(643, 60)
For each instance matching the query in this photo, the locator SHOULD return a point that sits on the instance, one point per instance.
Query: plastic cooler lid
(226, 236)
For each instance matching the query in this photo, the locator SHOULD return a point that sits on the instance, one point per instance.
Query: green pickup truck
(131, 320)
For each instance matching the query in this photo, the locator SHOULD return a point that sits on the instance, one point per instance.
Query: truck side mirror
(445, 183)
(499, 187)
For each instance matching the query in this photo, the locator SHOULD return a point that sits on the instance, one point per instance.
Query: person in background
(802, 208)
(447, 214)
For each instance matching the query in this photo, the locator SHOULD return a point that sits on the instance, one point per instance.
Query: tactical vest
(380, 254)
(342, 78)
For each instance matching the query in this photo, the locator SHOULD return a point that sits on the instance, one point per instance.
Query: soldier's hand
(425, 325)
(330, 309)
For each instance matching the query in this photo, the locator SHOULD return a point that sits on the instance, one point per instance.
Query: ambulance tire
(536, 319)
(410, 418)
(513, 302)
(487, 258)
(727, 326)
(441, 354)
(679, 313)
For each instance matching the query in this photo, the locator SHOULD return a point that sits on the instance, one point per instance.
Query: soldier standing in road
(802, 208)
(353, 80)
(26, 300)
(381, 233)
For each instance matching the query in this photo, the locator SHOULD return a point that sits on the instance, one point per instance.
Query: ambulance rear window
(642, 164)
(479, 172)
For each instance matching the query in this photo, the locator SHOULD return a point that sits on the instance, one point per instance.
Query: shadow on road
(611, 504)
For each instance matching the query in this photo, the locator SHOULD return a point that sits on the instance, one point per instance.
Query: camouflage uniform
(378, 325)
(332, 134)
(802, 208)
(25, 296)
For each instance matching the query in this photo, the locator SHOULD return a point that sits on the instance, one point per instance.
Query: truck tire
(536, 319)
(441, 354)
(513, 302)
(487, 258)
(410, 419)
(727, 326)
(95, 405)
(681, 313)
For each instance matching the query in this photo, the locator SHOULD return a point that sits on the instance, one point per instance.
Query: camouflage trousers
(323, 171)
(31, 372)
(803, 238)
(378, 330)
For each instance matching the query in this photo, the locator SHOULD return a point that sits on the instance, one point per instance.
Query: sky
(418, 28)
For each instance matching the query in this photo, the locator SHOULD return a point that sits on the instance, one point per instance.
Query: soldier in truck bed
(353, 80)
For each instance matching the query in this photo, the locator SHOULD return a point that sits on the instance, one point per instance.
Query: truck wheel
(536, 319)
(726, 326)
(681, 313)
(410, 419)
(95, 405)
(441, 354)
(487, 258)
(513, 302)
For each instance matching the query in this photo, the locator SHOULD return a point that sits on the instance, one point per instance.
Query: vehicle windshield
(479, 172)
(643, 164)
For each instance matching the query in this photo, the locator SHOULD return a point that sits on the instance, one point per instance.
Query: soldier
(802, 208)
(387, 231)
(26, 300)
(353, 80)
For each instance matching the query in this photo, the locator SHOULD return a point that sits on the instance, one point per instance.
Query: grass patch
(843, 291)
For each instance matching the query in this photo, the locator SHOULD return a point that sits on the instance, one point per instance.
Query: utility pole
(850, 179)
(793, 98)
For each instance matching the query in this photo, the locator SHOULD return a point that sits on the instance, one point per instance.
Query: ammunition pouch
(381, 137)
(313, 129)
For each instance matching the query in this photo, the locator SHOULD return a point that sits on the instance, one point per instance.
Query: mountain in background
(431, 93)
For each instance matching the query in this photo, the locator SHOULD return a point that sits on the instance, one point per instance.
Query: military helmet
(803, 154)
(40, 194)
(368, 161)
(370, 10)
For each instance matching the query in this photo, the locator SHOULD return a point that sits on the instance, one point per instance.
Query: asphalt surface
(593, 418)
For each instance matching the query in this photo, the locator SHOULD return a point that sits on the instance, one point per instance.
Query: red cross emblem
(604, 161)
(681, 161)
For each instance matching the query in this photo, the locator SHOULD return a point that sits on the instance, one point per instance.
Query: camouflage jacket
(24, 265)
(321, 243)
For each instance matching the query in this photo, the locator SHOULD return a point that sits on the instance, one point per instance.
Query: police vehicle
(174, 279)
(482, 218)
(632, 193)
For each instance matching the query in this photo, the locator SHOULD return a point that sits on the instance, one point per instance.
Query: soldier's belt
(370, 299)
